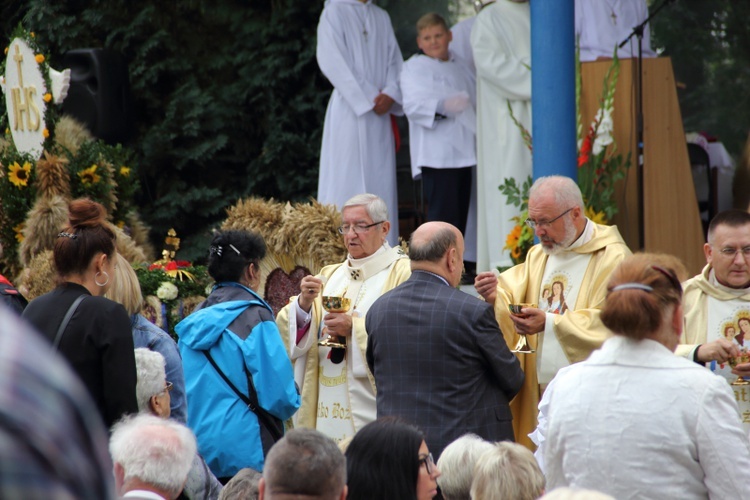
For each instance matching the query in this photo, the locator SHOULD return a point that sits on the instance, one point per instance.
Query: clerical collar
(585, 237)
(435, 275)
(364, 260)
(732, 291)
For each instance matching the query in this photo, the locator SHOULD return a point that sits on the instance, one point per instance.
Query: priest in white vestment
(601, 25)
(358, 53)
(501, 41)
(338, 390)
(575, 258)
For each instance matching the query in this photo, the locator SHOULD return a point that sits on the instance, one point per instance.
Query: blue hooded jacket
(237, 327)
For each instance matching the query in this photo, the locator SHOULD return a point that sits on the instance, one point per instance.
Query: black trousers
(447, 192)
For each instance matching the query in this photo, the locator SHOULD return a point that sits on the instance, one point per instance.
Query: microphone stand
(638, 32)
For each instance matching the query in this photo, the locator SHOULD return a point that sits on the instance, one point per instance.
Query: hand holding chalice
(523, 345)
(334, 305)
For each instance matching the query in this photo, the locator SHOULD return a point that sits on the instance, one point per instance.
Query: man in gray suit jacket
(437, 354)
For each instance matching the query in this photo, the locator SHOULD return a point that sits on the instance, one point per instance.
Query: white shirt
(636, 421)
(447, 143)
(603, 24)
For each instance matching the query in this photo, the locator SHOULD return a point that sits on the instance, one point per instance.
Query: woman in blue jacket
(236, 330)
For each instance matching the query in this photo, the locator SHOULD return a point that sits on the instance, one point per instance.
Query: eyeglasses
(731, 253)
(358, 229)
(429, 463)
(545, 223)
(167, 388)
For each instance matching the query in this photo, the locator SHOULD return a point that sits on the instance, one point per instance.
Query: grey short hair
(305, 462)
(150, 368)
(508, 470)
(433, 249)
(566, 190)
(243, 486)
(157, 451)
(456, 465)
(374, 205)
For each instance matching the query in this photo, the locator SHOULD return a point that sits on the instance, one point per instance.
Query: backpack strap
(66, 320)
(264, 418)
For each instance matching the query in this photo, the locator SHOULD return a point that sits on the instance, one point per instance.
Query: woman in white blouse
(636, 421)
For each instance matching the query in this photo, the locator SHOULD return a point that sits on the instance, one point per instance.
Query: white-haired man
(152, 457)
(573, 261)
(338, 390)
(152, 391)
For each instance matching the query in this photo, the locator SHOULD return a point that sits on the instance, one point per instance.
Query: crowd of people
(420, 397)
(382, 379)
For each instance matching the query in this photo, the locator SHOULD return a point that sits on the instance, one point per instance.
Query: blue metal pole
(553, 98)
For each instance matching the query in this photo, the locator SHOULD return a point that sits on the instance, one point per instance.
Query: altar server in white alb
(439, 101)
(358, 53)
(501, 41)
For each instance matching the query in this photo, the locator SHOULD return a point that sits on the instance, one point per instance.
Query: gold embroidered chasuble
(579, 330)
(307, 370)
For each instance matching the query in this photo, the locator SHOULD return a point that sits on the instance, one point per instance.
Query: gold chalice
(523, 345)
(744, 357)
(334, 305)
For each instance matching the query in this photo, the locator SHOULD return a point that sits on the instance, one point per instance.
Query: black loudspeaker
(99, 93)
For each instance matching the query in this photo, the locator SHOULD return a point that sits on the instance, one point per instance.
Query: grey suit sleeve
(503, 363)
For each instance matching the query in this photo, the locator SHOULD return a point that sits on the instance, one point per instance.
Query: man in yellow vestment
(338, 390)
(717, 301)
(573, 261)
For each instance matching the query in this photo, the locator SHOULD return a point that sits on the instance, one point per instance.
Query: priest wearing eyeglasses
(337, 387)
(575, 255)
(719, 297)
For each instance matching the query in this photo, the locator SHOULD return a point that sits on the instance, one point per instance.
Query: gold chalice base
(330, 342)
(743, 358)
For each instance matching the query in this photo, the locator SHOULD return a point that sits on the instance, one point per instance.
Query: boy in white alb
(438, 98)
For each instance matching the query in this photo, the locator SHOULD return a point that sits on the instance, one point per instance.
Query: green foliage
(228, 99)
(17, 192)
(709, 43)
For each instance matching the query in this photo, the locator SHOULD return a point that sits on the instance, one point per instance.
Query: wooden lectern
(671, 220)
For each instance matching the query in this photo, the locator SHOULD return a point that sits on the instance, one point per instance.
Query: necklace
(613, 15)
(364, 20)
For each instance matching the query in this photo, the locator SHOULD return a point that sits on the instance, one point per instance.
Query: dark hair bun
(86, 213)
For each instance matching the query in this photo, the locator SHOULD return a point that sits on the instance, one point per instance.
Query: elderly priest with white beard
(573, 262)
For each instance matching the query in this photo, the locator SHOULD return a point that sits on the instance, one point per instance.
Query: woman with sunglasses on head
(389, 458)
(231, 348)
(90, 331)
(636, 421)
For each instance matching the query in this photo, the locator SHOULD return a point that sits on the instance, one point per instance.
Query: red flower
(171, 266)
(155, 265)
(183, 263)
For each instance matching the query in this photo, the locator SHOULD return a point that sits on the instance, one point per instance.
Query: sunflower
(19, 175)
(511, 241)
(19, 232)
(89, 176)
(597, 217)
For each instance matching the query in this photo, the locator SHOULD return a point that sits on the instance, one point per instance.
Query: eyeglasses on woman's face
(428, 462)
